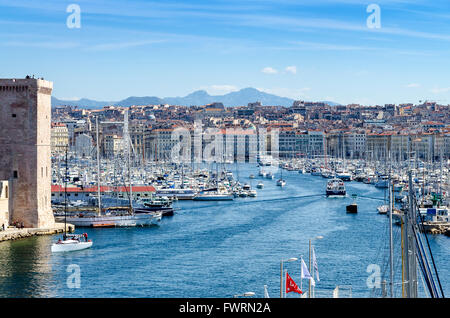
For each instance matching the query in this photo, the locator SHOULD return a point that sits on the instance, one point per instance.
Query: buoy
(352, 208)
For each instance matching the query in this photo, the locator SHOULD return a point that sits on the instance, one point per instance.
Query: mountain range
(197, 98)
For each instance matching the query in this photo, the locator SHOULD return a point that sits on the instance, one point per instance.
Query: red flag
(291, 286)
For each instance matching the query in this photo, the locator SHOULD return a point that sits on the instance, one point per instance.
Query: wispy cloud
(291, 69)
(269, 70)
(121, 45)
(44, 45)
(412, 85)
(328, 46)
(440, 90)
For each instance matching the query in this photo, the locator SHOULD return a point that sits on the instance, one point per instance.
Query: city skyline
(308, 50)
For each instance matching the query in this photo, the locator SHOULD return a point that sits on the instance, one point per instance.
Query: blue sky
(302, 49)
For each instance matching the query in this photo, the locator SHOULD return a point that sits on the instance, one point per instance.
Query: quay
(10, 233)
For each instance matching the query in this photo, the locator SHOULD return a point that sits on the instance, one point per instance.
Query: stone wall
(4, 204)
(25, 154)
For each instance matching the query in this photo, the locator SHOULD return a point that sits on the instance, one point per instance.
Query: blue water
(220, 249)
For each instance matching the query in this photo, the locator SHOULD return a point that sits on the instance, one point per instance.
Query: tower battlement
(25, 154)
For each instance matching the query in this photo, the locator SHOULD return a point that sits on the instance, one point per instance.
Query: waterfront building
(113, 145)
(59, 137)
(25, 143)
(316, 143)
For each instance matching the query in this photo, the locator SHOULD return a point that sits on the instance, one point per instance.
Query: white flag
(305, 273)
(316, 268)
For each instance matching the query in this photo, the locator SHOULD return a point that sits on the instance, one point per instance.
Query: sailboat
(70, 242)
(281, 182)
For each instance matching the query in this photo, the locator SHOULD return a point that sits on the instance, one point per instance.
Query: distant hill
(201, 97)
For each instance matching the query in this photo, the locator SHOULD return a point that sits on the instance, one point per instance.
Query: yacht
(344, 176)
(260, 185)
(116, 217)
(335, 187)
(215, 194)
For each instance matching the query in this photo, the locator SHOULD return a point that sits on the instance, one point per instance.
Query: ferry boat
(335, 187)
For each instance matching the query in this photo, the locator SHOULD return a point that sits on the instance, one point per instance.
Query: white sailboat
(70, 242)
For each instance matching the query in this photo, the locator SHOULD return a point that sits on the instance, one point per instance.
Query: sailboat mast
(65, 198)
(98, 170)
(128, 153)
(391, 241)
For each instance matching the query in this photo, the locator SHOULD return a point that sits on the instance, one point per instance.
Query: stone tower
(25, 154)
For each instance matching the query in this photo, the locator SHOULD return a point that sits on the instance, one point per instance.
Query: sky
(346, 51)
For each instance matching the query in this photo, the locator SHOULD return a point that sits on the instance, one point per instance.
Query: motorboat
(383, 209)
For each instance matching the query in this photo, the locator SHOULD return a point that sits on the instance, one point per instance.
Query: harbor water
(221, 249)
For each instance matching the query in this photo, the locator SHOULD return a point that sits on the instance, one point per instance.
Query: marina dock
(15, 233)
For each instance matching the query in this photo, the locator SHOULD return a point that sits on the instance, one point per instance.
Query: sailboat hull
(141, 219)
(69, 246)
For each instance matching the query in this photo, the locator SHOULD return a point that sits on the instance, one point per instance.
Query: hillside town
(305, 129)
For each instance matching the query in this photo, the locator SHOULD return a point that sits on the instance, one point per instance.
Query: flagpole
(309, 288)
(281, 279)
(301, 273)
(285, 272)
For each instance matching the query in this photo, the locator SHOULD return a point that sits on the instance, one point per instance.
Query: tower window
(14, 115)
(15, 174)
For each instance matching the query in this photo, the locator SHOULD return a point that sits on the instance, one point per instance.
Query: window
(14, 115)
(15, 174)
